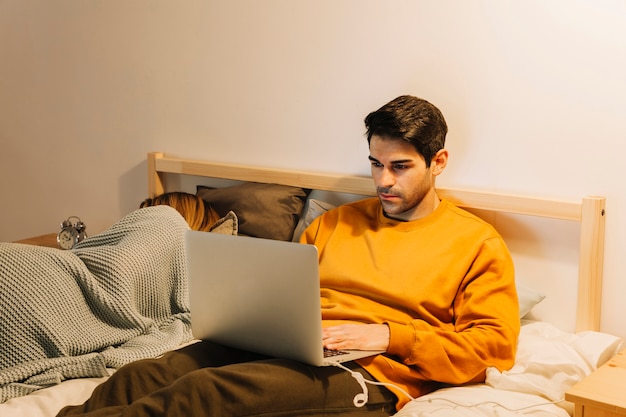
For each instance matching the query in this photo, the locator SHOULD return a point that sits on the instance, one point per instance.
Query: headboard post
(591, 260)
(156, 179)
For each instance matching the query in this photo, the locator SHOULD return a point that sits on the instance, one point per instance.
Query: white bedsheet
(479, 401)
(48, 402)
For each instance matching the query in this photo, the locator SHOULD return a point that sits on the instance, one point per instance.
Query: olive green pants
(206, 379)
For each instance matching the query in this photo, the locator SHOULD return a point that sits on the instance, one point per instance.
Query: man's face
(405, 186)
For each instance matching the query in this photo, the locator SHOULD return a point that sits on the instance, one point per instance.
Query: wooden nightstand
(601, 394)
(49, 240)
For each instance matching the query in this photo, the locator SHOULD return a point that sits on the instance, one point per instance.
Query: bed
(560, 340)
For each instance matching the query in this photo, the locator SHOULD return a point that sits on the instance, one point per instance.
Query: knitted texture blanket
(116, 297)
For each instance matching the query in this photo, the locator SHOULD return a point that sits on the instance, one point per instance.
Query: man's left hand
(356, 336)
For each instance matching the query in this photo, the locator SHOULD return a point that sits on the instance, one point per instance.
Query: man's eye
(376, 164)
(400, 166)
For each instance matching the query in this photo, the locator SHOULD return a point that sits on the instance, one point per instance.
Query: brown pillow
(263, 210)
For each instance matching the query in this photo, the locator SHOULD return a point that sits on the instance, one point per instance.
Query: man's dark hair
(413, 120)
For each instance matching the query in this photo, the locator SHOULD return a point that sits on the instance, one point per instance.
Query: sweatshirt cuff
(401, 339)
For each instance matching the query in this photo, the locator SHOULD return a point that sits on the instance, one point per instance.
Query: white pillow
(313, 209)
(528, 298)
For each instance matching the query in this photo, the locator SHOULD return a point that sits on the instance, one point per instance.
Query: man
(407, 273)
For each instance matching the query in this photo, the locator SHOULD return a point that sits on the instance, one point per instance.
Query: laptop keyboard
(328, 353)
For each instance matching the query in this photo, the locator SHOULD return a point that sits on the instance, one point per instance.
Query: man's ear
(439, 162)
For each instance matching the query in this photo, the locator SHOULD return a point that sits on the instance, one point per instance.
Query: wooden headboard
(589, 212)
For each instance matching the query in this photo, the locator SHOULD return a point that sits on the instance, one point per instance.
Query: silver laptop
(259, 295)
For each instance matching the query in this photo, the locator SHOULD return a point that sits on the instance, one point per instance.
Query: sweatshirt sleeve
(485, 328)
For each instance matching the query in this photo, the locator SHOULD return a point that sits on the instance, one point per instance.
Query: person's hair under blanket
(198, 213)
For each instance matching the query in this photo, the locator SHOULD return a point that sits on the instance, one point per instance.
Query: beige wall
(533, 92)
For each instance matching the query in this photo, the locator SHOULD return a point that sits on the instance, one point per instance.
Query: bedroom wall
(533, 93)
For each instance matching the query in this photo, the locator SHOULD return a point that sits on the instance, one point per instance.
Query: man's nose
(387, 179)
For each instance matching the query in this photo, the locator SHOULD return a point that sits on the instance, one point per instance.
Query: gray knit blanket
(116, 297)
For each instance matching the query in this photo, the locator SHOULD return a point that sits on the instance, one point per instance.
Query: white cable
(459, 405)
(361, 399)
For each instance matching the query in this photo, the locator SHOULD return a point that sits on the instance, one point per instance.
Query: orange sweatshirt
(444, 284)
